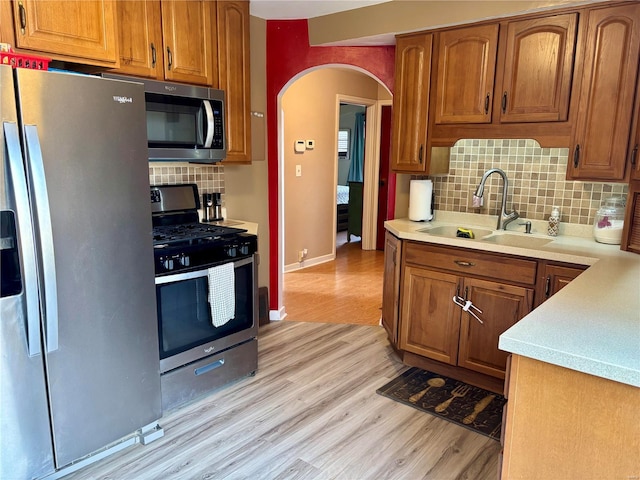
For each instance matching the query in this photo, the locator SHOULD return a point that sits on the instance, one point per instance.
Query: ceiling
(297, 9)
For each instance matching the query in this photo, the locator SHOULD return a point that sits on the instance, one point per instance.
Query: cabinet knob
(23, 18)
(547, 286)
(463, 263)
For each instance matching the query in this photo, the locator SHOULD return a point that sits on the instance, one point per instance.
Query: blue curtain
(356, 168)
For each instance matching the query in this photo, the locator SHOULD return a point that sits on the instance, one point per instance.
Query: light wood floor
(310, 412)
(346, 290)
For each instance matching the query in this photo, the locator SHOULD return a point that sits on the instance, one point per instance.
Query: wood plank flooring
(346, 290)
(310, 412)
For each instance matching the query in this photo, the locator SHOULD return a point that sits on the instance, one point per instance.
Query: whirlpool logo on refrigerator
(119, 99)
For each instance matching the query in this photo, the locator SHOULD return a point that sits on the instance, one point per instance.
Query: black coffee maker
(212, 207)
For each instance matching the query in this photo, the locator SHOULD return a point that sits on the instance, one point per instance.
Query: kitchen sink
(451, 230)
(517, 240)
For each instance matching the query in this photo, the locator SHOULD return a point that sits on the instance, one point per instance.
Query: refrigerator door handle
(40, 198)
(25, 236)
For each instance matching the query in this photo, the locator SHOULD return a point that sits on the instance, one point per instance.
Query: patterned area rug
(452, 400)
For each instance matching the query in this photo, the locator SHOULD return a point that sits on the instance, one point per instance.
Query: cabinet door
(538, 69)
(391, 286)
(140, 35)
(465, 75)
(411, 102)
(188, 41)
(430, 320)
(502, 306)
(234, 77)
(599, 147)
(555, 278)
(84, 29)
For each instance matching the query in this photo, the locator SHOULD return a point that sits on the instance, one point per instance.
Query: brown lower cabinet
(561, 423)
(433, 332)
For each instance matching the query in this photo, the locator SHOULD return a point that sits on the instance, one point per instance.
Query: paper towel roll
(420, 194)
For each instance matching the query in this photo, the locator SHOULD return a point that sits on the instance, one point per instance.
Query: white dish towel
(222, 293)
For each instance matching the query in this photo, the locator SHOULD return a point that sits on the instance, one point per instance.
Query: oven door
(186, 332)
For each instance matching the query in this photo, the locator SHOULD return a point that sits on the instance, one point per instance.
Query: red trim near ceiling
(288, 54)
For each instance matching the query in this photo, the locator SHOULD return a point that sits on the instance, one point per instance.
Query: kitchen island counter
(592, 325)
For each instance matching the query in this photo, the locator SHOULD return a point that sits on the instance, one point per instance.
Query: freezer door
(25, 435)
(86, 157)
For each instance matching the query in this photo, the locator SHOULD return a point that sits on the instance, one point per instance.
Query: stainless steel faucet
(504, 218)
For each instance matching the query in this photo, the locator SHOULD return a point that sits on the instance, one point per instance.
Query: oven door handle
(179, 277)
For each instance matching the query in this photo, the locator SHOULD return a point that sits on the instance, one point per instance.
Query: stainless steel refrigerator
(79, 362)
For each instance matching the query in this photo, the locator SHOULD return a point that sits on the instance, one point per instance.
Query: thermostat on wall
(299, 146)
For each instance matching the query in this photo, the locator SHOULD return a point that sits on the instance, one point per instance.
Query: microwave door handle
(209, 118)
(43, 216)
(25, 236)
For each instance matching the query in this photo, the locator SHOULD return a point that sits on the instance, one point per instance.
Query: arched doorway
(312, 208)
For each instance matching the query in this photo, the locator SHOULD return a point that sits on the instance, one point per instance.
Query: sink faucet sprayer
(504, 218)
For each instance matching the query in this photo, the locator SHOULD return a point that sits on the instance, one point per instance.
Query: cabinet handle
(547, 286)
(153, 56)
(634, 156)
(466, 293)
(576, 156)
(486, 103)
(504, 102)
(420, 153)
(462, 263)
(23, 18)
(393, 258)
(169, 58)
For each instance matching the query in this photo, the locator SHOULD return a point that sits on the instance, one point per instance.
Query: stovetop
(192, 233)
(182, 243)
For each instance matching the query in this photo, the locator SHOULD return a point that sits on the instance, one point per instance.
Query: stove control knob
(185, 261)
(244, 249)
(167, 263)
(232, 252)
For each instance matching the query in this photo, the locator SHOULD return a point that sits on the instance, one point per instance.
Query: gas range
(182, 243)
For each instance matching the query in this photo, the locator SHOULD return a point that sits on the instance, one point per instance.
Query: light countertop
(592, 325)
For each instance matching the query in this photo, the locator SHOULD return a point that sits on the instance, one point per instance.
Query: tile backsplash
(209, 178)
(536, 181)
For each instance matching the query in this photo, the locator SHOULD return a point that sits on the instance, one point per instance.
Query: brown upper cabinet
(168, 40)
(513, 72)
(81, 31)
(465, 74)
(411, 102)
(140, 35)
(234, 77)
(608, 83)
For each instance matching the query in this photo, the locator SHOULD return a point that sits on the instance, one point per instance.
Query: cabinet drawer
(472, 263)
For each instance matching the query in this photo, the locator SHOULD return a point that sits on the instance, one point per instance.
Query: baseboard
(309, 263)
(279, 314)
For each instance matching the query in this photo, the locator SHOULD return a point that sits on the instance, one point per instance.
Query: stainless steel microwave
(184, 122)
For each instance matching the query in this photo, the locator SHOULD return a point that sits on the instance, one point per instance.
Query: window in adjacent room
(343, 143)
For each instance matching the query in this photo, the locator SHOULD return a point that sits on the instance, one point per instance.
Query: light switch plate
(311, 144)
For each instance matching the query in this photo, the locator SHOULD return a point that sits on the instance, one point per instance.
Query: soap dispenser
(554, 222)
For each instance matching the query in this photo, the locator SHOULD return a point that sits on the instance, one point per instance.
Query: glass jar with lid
(607, 225)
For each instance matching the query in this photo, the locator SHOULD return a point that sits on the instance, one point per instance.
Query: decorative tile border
(536, 181)
(209, 178)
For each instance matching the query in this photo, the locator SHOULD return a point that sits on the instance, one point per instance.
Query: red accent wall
(288, 54)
